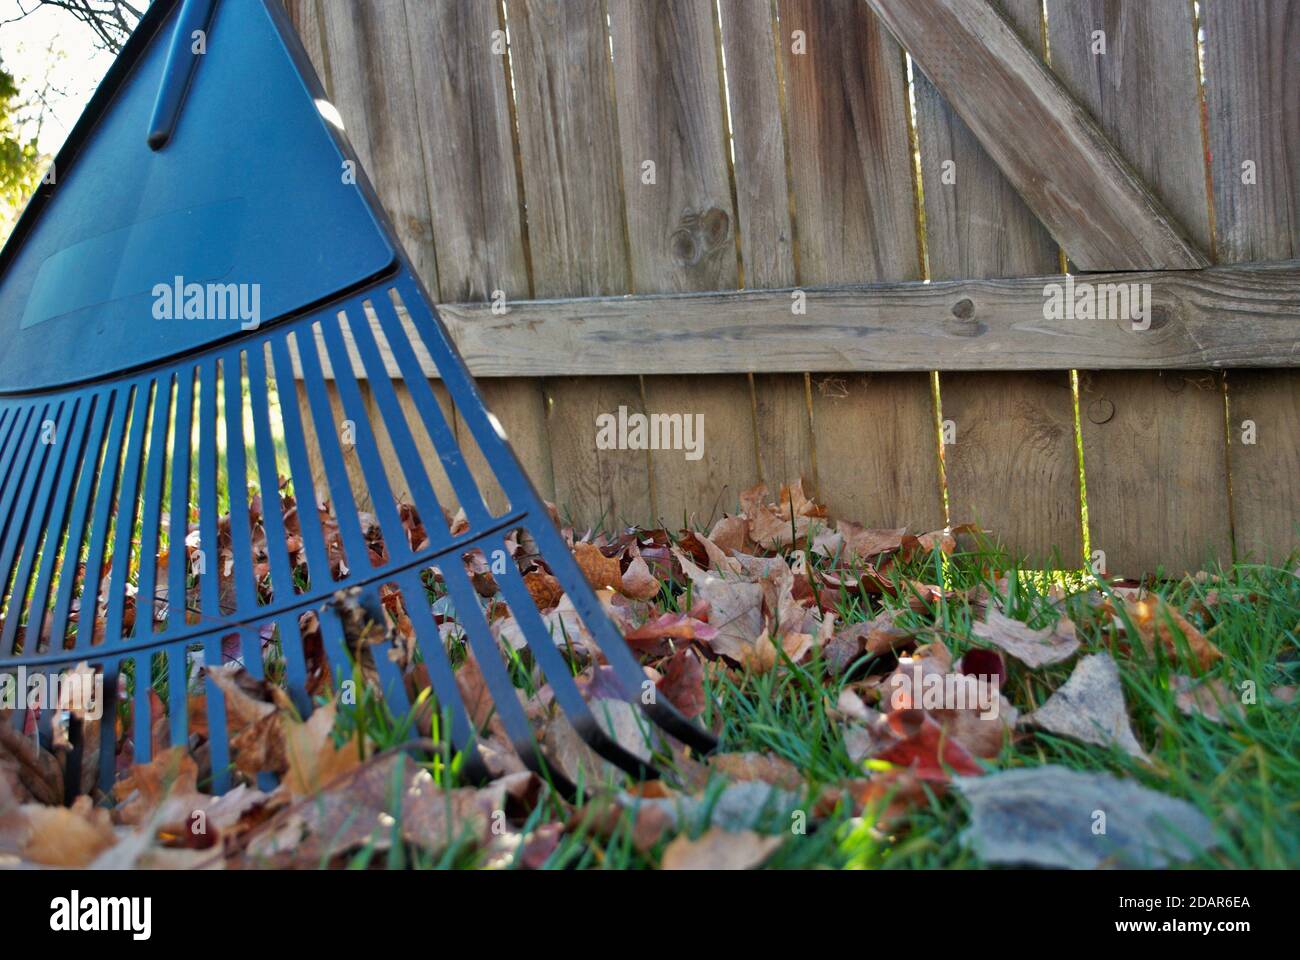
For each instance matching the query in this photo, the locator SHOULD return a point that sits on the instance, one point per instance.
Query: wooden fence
(766, 212)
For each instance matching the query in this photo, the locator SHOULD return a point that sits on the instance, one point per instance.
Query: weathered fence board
(1011, 465)
(462, 87)
(681, 227)
(1220, 317)
(782, 412)
(1253, 95)
(855, 220)
(1097, 207)
(568, 138)
(1156, 472)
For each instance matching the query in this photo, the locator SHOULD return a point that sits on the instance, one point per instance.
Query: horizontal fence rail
(1240, 316)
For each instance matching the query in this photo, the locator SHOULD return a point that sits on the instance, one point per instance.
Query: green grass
(1244, 776)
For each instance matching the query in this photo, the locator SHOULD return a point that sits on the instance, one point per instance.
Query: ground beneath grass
(881, 700)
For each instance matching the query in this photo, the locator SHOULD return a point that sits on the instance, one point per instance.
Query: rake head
(137, 406)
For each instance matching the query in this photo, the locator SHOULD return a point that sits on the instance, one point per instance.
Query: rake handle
(182, 60)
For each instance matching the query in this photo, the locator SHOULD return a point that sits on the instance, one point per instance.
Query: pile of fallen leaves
(778, 587)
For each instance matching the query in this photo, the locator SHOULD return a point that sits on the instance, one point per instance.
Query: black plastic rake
(208, 236)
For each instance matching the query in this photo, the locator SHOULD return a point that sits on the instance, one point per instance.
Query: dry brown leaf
(718, 849)
(1032, 647)
(766, 767)
(66, 836)
(544, 589)
(145, 785)
(1211, 699)
(314, 761)
(735, 609)
(1090, 707)
(600, 570)
(1156, 618)
(637, 582)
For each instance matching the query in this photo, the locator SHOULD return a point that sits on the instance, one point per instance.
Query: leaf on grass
(1032, 647)
(718, 849)
(1155, 618)
(735, 609)
(314, 760)
(386, 799)
(1211, 699)
(1090, 707)
(1046, 816)
(146, 784)
(638, 582)
(683, 683)
(923, 746)
(867, 544)
(765, 767)
(65, 836)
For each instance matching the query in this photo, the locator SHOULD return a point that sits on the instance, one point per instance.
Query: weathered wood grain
(1238, 316)
(1076, 181)
(782, 411)
(681, 224)
(1155, 465)
(1011, 465)
(1170, 474)
(462, 90)
(363, 58)
(1252, 92)
(855, 219)
(568, 140)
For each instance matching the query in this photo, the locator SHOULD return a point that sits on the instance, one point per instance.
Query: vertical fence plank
(782, 416)
(1153, 447)
(681, 229)
(568, 139)
(855, 221)
(362, 55)
(1012, 466)
(461, 86)
(1253, 93)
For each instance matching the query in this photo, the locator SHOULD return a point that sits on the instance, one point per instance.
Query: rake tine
(127, 489)
(318, 568)
(210, 578)
(441, 677)
(142, 740)
(58, 514)
(106, 494)
(218, 736)
(178, 676)
(345, 508)
(108, 726)
(567, 695)
(178, 520)
(151, 517)
(77, 525)
(566, 570)
(470, 617)
(381, 493)
(295, 663)
(449, 453)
